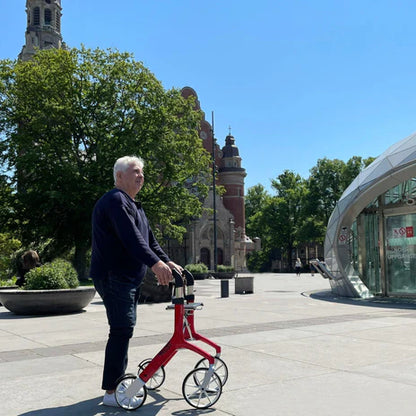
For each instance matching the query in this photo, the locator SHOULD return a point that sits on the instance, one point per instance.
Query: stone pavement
(291, 349)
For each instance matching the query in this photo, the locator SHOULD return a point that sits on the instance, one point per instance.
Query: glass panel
(373, 252)
(401, 193)
(379, 170)
(354, 246)
(369, 252)
(401, 254)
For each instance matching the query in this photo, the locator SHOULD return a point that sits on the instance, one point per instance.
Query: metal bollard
(225, 290)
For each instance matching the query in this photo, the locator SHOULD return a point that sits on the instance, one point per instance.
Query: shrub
(197, 268)
(8, 282)
(8, 247)
(56, 275)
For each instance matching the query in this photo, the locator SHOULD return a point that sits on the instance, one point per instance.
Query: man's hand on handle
(163, 271)
(173, 265)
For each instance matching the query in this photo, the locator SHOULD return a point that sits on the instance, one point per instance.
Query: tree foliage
(326, 186)
(255, 202)
(66, 116)
(8, 247)
(298, 211)
(287, 214)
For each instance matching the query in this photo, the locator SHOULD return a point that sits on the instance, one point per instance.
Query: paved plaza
(291, 347)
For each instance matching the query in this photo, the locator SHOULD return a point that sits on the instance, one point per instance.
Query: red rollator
(202, 387)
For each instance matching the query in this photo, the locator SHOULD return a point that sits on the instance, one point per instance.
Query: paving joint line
(72, 349)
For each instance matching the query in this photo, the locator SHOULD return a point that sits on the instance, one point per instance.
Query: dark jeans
(120, 300)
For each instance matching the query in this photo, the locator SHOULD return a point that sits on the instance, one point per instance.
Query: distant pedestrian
(28, 261)
(298, 266)
(312, 267)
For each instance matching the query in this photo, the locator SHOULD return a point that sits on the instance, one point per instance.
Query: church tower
(43, 27)
(231, 175)
(232, 244)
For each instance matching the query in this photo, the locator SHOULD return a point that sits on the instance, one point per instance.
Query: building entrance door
(370, 252)
(400, 254)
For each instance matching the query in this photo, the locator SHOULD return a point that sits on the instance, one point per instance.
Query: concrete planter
(223, 275)
(8, 288)
(244, 284)
(200, 276)
(46, 302)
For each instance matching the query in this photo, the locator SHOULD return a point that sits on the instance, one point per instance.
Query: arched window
(36, 16)
(57, 21)
(48, 17)
(208, 234)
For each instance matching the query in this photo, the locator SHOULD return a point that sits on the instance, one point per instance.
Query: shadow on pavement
(93, 407)
(375, 302)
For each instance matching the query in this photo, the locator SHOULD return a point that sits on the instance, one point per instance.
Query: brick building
(232, 242)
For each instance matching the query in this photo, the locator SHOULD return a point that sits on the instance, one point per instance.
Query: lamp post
(214, 192)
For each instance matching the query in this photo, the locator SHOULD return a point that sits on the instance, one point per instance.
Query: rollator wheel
(196, 393)
(129, 403)
(219, 367)
(157, 379)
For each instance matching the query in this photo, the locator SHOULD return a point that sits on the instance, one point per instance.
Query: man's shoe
(110, 400)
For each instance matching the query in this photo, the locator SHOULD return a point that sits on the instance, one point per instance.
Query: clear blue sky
(296, 80)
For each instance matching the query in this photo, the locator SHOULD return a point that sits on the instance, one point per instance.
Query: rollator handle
(178, 278)
(189, 277)
(178, 297)
(189, 289)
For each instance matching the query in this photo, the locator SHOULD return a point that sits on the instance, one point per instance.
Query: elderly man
(123, 246)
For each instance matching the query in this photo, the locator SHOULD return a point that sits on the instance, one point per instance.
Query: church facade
(225, 231)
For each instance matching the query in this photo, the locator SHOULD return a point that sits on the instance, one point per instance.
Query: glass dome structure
(370, 243)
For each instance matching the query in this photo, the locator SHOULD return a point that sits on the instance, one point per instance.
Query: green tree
(291, 193)
(66, 116)
(8, 247)
(326, 183)
(299, 211)
(352, 168)
(256, 200)
(6, 198)
(326, 186)
(328, 180)
(275, 219)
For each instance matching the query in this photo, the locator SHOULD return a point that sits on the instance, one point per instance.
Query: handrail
(321, 267)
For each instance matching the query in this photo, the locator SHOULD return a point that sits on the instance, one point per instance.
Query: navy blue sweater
(123, 243)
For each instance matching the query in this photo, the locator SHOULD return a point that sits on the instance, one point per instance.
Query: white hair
(124, 162)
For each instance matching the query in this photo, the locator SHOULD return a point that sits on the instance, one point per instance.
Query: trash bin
(225, 289)
(244, 284)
